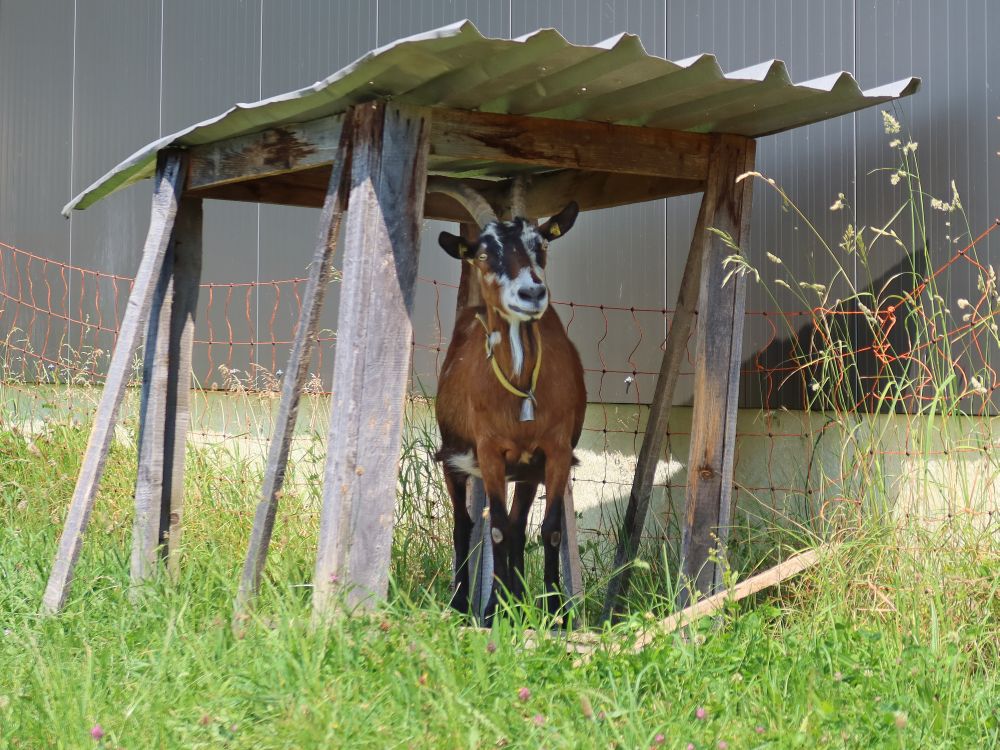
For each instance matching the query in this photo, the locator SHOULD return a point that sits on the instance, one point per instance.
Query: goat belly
(531, 468)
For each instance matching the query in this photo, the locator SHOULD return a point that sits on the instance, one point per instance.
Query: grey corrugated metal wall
(82, 84)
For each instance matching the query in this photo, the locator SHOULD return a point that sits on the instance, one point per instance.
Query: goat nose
(534, 293)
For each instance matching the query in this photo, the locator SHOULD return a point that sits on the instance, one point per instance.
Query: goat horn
(473, 202)
(517, 197)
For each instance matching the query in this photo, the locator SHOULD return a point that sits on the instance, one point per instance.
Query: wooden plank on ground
(296, 373)
(584, 643)
(168, 187)
(674, 354)
(716, 377)
(371, 367)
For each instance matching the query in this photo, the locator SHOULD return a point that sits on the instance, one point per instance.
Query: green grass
(891, 642)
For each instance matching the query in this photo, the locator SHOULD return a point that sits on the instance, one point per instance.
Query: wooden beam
(296, 373)
(716, 373)
(169, 179)
(674, 354)
(569, 144)
(164, 407)
(459, 135)
(275, 151)
(371, 368)
(547, 193)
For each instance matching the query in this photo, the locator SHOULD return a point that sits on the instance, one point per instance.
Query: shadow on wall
(787, 462)
(849, 355)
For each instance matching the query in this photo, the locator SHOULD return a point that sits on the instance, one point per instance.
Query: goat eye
(483, 256)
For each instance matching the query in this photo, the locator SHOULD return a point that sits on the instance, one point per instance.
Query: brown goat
(511, 396)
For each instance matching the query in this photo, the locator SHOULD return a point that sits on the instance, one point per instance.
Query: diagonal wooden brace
(169, 183)
(296, 373)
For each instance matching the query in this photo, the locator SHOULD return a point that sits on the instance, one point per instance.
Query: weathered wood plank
(152, 416)
(480, 561)
(187, 262)
(276, 151)
(548, 192)
(480, 549)
(460, 135)
(569, 552)
(296, 373)
(716, 378)
(371, 367)
(674, 354)
(168, 186)
(560, 144)
(163, 412)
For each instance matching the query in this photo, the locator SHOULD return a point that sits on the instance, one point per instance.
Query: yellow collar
(530, 394)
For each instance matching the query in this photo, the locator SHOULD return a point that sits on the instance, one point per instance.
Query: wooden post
(716, 377)
(480, 562)
(187, 280)
(164, 413)
(374, 337)
(169, 183)
(659, 411)
(569, 552)
(296, 372)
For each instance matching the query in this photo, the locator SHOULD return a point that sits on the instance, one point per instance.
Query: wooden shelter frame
(370, 165)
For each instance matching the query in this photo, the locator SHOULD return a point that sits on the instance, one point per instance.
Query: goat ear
(561, 223)
(454, 245)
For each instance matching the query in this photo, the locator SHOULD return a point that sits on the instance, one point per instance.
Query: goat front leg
(524, 496)
(557, 465)
(456, 484)
(492, 467)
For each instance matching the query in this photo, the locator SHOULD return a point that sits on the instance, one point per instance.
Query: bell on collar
(528, 410)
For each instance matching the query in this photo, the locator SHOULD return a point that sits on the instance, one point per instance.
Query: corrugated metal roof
(540, 74)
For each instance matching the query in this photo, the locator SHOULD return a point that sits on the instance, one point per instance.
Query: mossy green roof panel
(543, 75)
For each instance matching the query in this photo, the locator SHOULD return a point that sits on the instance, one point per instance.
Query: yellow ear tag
(554, 230)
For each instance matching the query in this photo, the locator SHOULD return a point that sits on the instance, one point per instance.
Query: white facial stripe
(530, 240)
(529, 236)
